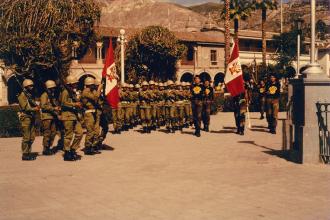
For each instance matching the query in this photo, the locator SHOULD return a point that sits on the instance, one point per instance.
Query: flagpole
(122, 41)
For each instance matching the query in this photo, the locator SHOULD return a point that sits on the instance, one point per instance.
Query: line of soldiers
(64, 115)
(153, 105)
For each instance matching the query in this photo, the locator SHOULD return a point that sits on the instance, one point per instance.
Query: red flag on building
(110, 78)
(234, 75)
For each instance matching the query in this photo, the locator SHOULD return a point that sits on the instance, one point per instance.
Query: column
(99, 59)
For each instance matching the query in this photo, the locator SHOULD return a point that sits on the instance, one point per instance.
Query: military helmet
(183, 83)
(151, 82)
(71, 80)
(123, 85)
(188, 84)
(169, 82)
(131, 86)
(97, 82)
(145, 83)
(27, 82)
(178, 83)
(137, 86)
(50, 84)
(89, 81)
(165, 84)
(161, 84)
(156, 84)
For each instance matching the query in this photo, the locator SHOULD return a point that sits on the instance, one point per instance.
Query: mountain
(142, 13)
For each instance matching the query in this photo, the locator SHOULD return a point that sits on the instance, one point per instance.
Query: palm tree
(227, 32)
(239, 10)
(265, 5)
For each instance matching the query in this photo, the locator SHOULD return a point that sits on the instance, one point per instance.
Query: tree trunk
(263, 35)
(236, 30)
(227, 34)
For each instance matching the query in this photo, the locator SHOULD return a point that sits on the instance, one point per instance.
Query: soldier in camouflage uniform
(73, 132)
(27, 117)
(161, 105)
(102, 117)
(153, 105)
(207, 101)
(132, 96)
(116, 114)
(187, 105)
(136, 110)
(124, 104)
(170, 108)
(240, 109)
(50, 108)
(90, 98)
(145, 97)
(179, 103)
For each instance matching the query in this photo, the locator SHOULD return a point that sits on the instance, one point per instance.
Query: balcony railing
(323, 113)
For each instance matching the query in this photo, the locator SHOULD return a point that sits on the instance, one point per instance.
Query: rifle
(27, 94)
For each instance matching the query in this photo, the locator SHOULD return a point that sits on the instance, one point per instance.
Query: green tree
(264, 6)
(153, 54)
(286, 45)
(238, 10)
(39, 34)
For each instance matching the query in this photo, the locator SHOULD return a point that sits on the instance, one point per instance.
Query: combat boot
(28, 157)
(95, 150)
(241, 131)
(88, 151)
(75, 155)
(47, 151)
(206, 128)
(198, 133)
(68, 156)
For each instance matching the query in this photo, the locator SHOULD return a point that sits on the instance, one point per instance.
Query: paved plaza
(167, 177)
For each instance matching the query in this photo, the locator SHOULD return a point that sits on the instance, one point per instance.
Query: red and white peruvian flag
(234, 74)
(110, 77)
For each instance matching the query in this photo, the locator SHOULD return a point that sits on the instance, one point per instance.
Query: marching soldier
(153, 104)
(240, 109)
(179, 105)
(197, 92)
(187, 104)
(27, 117)
(89, 98)
(132, 105)
(272, 99)
(208, 99)
(124, 103)
(145, 115)
(117, 116)
(170, 108)
(136, 113)
(262, 98)
(71, 107)
(102, 117)
(50, 108)
(161, 105)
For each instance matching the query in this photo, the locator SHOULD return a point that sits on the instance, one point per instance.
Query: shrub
(9, 123)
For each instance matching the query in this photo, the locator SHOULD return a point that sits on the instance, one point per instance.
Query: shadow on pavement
(188, 132)
(259, 130)
(229, 127)
(284, 154)
(224, 132)
(259, 126)
(107, 147)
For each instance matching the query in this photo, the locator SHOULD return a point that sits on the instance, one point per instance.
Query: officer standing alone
(197, 92)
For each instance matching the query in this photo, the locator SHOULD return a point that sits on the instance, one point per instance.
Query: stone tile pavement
(167, 177)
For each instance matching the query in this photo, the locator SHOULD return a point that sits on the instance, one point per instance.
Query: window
(190, 53)
(214, 60)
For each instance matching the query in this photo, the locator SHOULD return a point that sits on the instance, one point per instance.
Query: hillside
(290, 12)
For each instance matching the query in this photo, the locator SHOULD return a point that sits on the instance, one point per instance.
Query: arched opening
(187, 77)
(219, 78)
(205, 76)
(13, 89)
(290, 72)
(82, 79)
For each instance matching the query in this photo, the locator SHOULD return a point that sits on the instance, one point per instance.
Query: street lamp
(298, 22)
(122, 40)
(313, 69)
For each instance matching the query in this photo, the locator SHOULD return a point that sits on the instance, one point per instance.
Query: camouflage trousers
(28, 129)
(117, 118)
(154, 116)
(145, 116)
(272, 112)
(197, 108)
(170, 115)
(103, 126)
(73, 134)
(49, 132)
(180, 114)
(188, 112)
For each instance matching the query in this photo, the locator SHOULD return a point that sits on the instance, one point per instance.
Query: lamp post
(122, 41)
(298, 22)
(313, 69)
